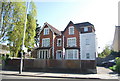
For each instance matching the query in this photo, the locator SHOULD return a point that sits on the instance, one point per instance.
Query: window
(71, 54)
(87, 42)
(85, 29)
(43, 54)
(46, 31)
(59, 42)
(87, 56)
(46, 42)
(71, 42)
(59, 54)
(71, 30)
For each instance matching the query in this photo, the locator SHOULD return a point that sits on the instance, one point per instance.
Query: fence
(48, 65)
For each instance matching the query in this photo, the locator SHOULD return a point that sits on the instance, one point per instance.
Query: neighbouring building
(76, 42)
(116, 41)
(4, 49)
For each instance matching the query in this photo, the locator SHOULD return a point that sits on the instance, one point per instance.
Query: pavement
(102, 73)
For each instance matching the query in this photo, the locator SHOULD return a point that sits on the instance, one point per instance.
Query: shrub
(113, 67)
(117, 66)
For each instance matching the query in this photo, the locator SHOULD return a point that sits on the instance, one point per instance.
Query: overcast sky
(103, 14)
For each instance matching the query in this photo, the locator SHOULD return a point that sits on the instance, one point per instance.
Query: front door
(59, 54)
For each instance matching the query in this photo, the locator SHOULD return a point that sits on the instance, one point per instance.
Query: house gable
(45, 26)
(42, 36)
(71, 41)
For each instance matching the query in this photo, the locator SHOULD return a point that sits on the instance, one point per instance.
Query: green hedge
(117, 66)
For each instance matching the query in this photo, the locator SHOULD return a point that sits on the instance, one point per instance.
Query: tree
(37, 36)
(31, 26)
(5, 19)
(15, 34)
(14, 14)
(105, 52)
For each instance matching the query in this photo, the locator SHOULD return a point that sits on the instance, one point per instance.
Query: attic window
(85, 29)
(46, 31)
(71, 30)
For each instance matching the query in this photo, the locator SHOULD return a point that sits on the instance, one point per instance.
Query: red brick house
(76, 42)
(47, 45)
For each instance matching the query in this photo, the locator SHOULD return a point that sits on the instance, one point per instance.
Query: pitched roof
(79, 25)
(67, 26)
(83, 24)
(54, 29)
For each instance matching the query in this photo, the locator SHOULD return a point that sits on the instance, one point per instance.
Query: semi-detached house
(76, 42)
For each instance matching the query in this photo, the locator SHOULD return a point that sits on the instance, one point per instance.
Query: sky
(103, 14)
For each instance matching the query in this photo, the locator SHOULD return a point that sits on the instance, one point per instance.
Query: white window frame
(85, 29)
(70, 40)
(42, 54)
(44, 43)
(46, 31)
(74, 56)
(59, 44)
(71, 32)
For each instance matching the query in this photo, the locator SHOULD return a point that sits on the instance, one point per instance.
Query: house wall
(46, 36)
(76, 34)
(34, 53)
(51, 36)
(88, 48)
(55, 44)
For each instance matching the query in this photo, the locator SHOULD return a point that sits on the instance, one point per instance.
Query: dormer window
(71, 30)
(85, 29)
(46, 31)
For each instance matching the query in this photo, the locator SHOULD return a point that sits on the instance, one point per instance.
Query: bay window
(71, 54)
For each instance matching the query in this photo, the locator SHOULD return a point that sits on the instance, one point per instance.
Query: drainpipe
(80, 52)
(53, 47)
(63, 48)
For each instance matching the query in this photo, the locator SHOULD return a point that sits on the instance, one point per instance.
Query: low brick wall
(68, 66)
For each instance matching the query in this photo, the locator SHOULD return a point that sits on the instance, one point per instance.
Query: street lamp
(23, 46)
